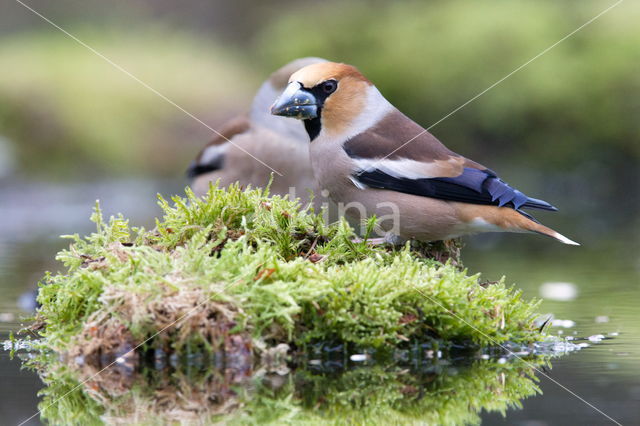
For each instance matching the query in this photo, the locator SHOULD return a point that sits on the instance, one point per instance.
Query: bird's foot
(391, 239)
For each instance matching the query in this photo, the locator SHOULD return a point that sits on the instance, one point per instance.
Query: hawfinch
(369, 155)
(278, 142)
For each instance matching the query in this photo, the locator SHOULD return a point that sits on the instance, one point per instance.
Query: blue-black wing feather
(195, 169)
(472, 186)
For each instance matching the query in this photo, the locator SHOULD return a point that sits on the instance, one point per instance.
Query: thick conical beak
(295, 102)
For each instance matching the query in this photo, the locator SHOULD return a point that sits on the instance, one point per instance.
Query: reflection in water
(606, 374)
(327, 384)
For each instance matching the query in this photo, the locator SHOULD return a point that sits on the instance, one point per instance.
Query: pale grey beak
(295, 102)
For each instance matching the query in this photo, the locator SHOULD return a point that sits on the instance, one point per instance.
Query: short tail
(538, 228)
(558, 236)
(506, 219)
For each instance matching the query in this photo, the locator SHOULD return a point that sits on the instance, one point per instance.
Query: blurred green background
(565, 128)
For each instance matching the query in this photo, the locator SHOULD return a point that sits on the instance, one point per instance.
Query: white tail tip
(564, 239)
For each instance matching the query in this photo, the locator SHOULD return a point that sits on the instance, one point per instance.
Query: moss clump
(262, 270)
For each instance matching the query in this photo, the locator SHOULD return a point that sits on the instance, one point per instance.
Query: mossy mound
(239, 270)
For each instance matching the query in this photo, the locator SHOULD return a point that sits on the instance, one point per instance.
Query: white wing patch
(405, 168)
(357, 183)
(212, 153)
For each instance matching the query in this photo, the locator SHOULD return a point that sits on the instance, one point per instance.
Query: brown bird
(278, 142)
(370, 156)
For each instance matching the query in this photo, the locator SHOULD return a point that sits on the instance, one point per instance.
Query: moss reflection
(200, 389)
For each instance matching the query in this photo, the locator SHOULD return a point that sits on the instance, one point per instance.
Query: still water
(590, 291)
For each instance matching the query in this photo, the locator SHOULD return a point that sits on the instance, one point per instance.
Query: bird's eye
(329, 86)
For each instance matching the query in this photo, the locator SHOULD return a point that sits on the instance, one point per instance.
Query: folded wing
(212, 156)
(471, 186)
(399, 155)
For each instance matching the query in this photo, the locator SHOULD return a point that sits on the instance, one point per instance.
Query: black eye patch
(322, 90)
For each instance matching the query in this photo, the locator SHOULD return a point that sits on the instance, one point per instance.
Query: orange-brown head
(325, 95)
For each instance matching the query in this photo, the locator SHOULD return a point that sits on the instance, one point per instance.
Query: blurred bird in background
(364, 150)
(279, 142)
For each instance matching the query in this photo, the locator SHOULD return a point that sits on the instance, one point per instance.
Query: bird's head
(269, 91)
(325, 95)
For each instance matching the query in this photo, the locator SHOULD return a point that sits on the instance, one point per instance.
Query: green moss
(238, 272)
(270, 272)
(452, 395)
(436, 392)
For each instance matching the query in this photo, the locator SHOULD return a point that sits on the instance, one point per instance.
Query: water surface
(605, 279)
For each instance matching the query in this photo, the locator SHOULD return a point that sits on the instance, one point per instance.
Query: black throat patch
(313, 126)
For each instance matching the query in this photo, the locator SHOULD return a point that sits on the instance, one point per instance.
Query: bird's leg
(389, 238)
(370, 241)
